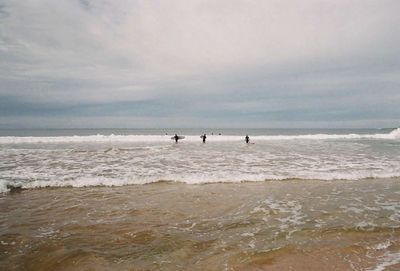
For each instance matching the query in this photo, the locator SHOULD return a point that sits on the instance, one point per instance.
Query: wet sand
(278, 225)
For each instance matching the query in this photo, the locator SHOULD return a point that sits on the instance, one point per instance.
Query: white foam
(211, 138)
(194, 179)
(83, 182)
(288, 213)
(124, 164)
(3, 186)
(387, 260)
(365, 225)
(252, 244)
(382, 246)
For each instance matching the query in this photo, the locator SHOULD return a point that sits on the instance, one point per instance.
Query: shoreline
(18, 188)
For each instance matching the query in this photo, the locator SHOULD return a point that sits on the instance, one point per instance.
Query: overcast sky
(190, 63)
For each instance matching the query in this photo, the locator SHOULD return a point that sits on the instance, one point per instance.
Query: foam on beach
(6, 186)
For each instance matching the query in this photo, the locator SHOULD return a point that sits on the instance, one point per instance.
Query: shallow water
(274, 225)
(53, 161)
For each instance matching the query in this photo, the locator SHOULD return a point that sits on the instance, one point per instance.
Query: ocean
(133, 199)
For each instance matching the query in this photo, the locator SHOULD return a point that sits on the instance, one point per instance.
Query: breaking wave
(7, 186)
(395, 134)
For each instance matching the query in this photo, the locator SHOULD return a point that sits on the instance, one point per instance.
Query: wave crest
(7, 186)
(395, 134)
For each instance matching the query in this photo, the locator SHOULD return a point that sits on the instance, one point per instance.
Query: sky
(192, 63)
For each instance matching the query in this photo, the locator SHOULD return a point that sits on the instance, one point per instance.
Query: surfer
(247, 139)
(176, 137)
(204, 138)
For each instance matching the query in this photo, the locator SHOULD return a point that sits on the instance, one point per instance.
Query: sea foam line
(395, 134)
(91, 181)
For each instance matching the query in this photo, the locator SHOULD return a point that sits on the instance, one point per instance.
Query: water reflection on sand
(278, 225)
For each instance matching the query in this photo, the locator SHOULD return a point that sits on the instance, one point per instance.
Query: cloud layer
(231, 63)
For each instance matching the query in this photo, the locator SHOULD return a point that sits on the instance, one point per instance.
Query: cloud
(264, 63)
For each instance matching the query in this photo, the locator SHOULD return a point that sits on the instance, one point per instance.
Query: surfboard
(179, 137)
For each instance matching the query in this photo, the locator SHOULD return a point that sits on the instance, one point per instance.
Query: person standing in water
(204, 138)
(176, 137)
(247, 139)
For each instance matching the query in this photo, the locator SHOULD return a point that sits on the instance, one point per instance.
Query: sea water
(134, 199)
(54, 158)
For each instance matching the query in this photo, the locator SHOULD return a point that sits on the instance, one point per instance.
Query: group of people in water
(203, 137)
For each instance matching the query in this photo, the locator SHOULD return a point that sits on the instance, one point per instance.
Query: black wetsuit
(247, 139)
(204, 138)
(176, 137)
